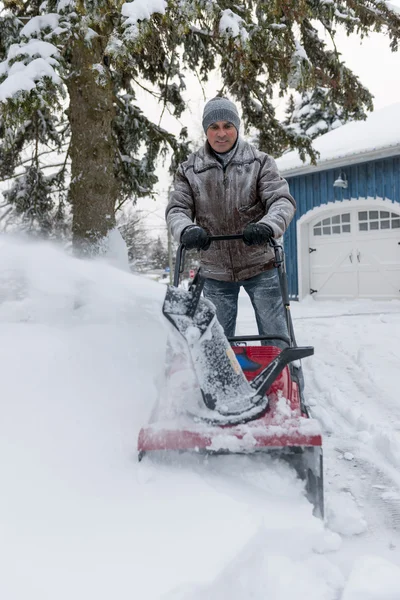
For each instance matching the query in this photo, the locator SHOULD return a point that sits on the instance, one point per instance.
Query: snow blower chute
(240, 399)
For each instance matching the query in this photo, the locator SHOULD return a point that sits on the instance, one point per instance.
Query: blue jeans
(265, 295)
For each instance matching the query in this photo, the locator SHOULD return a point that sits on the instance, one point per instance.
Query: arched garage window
(333, 225)
(372, 220)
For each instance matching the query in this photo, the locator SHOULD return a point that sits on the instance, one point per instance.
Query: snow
(65, 4)
(90, 35)
(344, 516)
(115, 251)
(300, 52)
(36, 24)
(82, 359)
(22, 76)
(26, 77)
(133, 13)
(140, 10)
(373, 579)
(319, 126)
(232, 24)
(381, 130)
(33, 48)
(264, 570)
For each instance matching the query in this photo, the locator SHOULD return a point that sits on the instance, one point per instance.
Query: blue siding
(372, 179)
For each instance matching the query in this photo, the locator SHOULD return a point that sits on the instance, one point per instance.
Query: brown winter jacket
(249, 190)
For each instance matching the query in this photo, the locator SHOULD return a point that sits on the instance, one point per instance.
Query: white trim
(342, 161)
(303, 263)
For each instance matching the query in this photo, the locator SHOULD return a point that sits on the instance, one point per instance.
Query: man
(230, 187)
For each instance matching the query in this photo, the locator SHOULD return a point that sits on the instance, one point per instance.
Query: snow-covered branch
(26, 65)
(140, 10)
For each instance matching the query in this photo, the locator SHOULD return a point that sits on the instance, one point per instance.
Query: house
(345, 239)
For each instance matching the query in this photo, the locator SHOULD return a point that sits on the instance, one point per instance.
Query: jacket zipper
(225, 182)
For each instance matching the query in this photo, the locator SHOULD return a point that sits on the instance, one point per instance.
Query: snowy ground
(82, 352)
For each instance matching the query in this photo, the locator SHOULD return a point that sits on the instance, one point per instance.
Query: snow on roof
(377, 136)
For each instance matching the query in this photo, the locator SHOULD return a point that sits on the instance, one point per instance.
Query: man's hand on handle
(195, 237)
(257, 234)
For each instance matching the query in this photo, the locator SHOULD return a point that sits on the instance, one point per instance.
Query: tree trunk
(93, 190)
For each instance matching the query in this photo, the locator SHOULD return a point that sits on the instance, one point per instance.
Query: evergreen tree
(70, 71)
(316, 113)
(130, 224)
(159, 254)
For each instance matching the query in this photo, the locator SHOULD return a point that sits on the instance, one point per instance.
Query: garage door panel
(335, 285)
(356, 253)
(328, 253)
(378, 266)
(379, 285)
(332, 268)
(378, 250)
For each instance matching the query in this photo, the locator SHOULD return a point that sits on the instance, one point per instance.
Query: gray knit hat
(220, 109)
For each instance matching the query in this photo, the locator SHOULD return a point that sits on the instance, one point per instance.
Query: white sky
(375, 64)
(371, 59)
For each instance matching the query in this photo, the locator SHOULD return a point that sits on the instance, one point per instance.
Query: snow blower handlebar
(180, 254)
(180, 257)
(279, 263)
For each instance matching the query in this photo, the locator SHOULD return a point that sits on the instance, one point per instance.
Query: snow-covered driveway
(81, 355)
(353, 383)
(353, 387)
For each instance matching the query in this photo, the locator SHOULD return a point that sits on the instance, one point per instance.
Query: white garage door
(355, 253)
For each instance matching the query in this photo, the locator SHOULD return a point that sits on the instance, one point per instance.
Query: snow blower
(241, 399)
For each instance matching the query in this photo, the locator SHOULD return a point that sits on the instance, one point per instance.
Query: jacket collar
(205, 158)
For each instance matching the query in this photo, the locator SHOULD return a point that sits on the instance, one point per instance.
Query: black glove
(195, 237)
(257, 233)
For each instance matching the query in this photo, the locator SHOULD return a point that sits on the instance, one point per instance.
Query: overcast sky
(377, 67)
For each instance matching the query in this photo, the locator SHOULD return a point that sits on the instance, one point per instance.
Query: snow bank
(77, 365)
(82, 351)
(373, 578)
(41, 284)
(265, 568)
(343, 515)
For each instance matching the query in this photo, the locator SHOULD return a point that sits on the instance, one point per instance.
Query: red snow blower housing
(242, 399)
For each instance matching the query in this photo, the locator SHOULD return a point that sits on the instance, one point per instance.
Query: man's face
(221, 136)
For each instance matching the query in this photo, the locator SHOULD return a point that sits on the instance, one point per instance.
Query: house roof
(376, 137)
